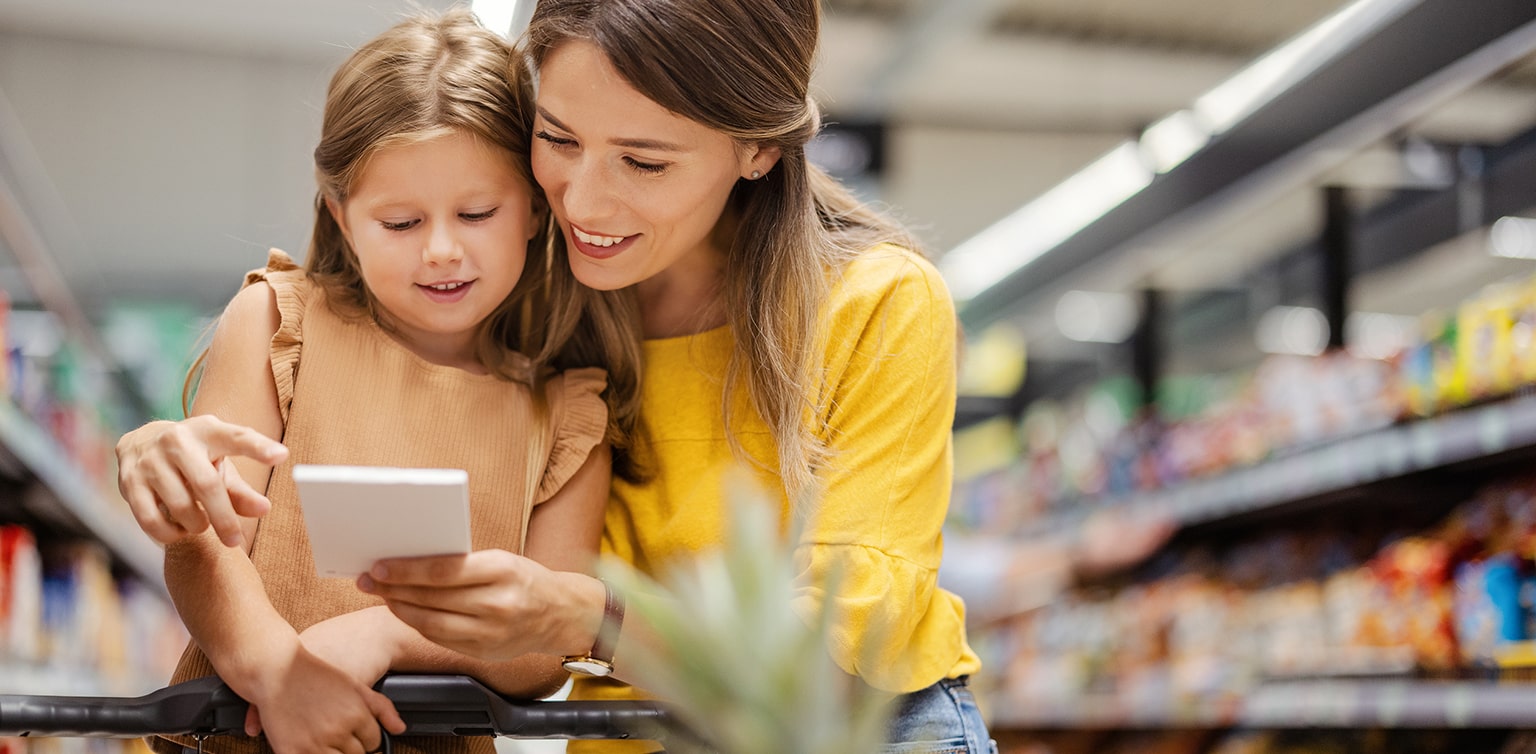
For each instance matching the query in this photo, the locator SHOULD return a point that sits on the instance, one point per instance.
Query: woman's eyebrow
(649, 144)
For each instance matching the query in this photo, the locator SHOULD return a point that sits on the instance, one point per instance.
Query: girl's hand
(490, 604)
(359, 643)
(317, 708)
(178, 481)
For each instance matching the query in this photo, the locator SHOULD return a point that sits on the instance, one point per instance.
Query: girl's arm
(496, 616)
(305, 704)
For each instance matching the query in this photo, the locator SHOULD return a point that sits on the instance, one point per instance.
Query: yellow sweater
(888, 359)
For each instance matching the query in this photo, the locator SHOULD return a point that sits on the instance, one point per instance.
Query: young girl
(401, 343)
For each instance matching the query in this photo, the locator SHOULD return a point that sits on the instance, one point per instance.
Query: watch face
(588, 666)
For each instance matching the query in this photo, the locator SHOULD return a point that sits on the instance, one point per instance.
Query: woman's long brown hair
(743, 67)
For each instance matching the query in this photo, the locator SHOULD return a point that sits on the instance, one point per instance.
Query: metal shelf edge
(47, 461)
(1312, 704)
(1334, 466)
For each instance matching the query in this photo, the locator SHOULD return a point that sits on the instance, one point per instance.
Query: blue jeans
(941, 719)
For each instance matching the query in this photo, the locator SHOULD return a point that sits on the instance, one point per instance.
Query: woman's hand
(309, 706)
(178, 481)
(490, 604)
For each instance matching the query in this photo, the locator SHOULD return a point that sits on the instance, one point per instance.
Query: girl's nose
(442, 246)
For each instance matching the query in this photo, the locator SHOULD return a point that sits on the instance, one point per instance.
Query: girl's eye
(554, 140)
(400, 226)
(645, 167)
(475, 217)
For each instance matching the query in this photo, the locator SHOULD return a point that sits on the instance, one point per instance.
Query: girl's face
(441, 231)
(638, 190)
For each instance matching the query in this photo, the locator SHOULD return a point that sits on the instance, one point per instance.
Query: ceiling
(162, 145)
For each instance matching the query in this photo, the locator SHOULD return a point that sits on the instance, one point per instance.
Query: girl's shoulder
(283, 275)
(279, 293)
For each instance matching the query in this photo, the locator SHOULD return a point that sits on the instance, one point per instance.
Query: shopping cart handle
(431, 705)
(204, 706)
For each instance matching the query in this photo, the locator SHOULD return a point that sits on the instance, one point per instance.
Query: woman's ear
(333, 207)
(760, 158)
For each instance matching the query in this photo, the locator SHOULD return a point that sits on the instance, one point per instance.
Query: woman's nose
(588, 194)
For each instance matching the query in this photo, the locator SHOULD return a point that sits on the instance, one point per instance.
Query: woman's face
(637, 190)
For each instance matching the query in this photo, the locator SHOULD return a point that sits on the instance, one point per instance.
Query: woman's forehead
(580, 90)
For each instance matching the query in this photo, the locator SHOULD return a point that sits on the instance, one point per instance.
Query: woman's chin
(598, 277)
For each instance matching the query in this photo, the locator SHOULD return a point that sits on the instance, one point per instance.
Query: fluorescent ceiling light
(1094, 317)
(1295, 330)
(1372, 335)
(1034, 229)
(1261, 81)
(1042, 224)
(1173, 139)
(496, 15)
(1513, 238)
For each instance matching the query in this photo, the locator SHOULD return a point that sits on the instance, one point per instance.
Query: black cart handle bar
(431, 705)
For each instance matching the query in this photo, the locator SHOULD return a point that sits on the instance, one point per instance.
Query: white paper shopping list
(360, 514)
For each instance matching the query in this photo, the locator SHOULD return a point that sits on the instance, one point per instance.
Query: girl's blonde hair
(438, 73)
(743, 67)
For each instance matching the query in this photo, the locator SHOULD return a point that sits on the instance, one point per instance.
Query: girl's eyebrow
(649, 144)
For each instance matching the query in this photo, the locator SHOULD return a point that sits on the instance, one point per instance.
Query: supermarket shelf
(104, 520)
(52, 680)
(1305, 704)
(1386, 704)
(1339, 466)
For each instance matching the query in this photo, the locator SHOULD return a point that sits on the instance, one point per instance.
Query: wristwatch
(599, 660)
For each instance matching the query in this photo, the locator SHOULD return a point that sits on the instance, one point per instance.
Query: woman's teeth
(445, 286)
(601, 241)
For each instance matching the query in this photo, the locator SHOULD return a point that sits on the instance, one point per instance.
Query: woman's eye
(403, 225)
(553, 139)
(475, 217)
(645, 167)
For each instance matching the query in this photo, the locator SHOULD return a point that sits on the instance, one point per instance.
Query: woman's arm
(305, 705)
(493, 615)
(499, 617)
(869, 547)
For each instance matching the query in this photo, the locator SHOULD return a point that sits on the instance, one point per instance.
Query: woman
(786, 326)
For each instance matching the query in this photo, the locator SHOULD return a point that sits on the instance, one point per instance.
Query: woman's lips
(596, 251)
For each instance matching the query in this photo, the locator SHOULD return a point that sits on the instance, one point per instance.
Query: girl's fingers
(244, 498)
(252, 721)
(222, 439)
(206, 484)
(173, 495)
(384, 711)
(146, 510)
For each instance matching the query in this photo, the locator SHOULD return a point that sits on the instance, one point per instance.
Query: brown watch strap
(608, 632)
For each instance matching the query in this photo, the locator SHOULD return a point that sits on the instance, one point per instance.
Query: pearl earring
(756, 174)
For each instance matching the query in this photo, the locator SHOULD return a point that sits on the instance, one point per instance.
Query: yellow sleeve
(875, 534)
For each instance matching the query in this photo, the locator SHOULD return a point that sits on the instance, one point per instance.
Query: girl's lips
(446, 297)
(600, 252)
